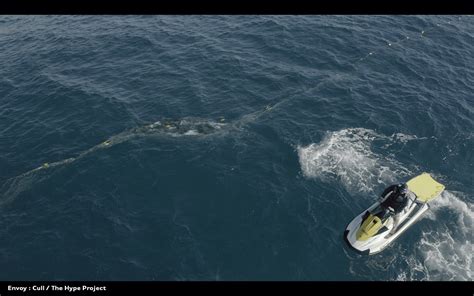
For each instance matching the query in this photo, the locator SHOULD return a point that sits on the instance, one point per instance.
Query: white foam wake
(404, 138)
(444, 251)
(446, 248)
(346, 156)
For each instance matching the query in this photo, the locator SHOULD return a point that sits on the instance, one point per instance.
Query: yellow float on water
(425, 187)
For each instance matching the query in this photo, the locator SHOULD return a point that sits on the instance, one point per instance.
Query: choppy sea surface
(231, 147)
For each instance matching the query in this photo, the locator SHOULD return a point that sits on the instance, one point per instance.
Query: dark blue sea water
(231, 147)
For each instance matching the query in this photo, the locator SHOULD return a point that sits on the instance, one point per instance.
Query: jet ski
(399, 207)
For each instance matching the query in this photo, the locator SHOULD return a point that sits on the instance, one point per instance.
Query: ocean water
(231, 147)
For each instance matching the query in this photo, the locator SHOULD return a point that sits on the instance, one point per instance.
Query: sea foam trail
(447, 247)
(346, 156)
(444, 251)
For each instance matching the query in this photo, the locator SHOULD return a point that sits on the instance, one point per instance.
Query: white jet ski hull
(380, 241)
(422, 189)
